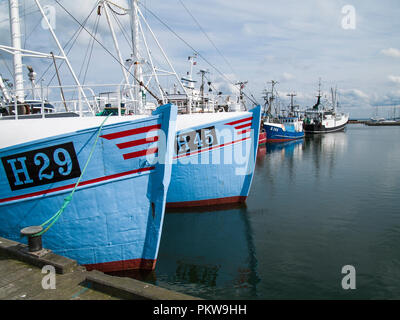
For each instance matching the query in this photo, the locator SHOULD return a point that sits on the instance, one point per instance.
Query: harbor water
(315, 206)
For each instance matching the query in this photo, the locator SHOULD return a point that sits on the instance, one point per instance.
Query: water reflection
(325, 150)
(208, 252)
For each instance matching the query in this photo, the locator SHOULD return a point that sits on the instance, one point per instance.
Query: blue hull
(220, 172)
(277, 134)
(114, 220)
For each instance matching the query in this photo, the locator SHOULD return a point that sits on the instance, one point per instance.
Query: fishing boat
(282, 126)
(216, 146)
(324, 117)
(95, 187)
(215, 150)
(214, 161)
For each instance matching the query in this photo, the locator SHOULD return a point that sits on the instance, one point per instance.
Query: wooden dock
(21, 278)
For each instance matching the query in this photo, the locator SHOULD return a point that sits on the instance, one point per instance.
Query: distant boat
(284, 126)
(286, 129)
(323, 118)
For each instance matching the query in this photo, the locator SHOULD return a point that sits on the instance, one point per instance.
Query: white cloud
(395, 79)
(356, 93)
(288, 76)
(391, 52)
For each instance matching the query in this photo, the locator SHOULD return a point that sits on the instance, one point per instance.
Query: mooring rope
(50, 222)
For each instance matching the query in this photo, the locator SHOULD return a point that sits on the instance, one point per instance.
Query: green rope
(68, 199)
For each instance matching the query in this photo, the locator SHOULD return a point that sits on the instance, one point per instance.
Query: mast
(266, 101)
(335, 102)
(291, 95)
(272, 97)
(15, 29)
(64, 56)
(202, 73)
(116, 45)
(136, 56)
(316, 106)
(241, 85)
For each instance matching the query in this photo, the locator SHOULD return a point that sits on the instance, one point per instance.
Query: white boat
(324, 117)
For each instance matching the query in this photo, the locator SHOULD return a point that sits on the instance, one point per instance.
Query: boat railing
(83, 100)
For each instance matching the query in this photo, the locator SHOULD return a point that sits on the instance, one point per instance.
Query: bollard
(34, 242)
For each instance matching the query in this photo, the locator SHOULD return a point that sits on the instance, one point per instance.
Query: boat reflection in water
(325, 150)
(208, 254)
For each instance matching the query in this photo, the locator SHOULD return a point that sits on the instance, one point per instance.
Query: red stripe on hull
(244, 131)
(238, 121)
(134, 264)
(140, 153)
(135, 143)
(208, 202)
(243, 126)
(70, 186)
(211, 148)
(131, 132)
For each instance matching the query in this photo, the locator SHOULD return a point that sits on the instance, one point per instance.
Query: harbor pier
(26, 276)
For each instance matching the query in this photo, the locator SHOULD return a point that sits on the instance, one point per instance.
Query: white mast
(136, 56)
(64, 56)
(121, 62)
(15, 29)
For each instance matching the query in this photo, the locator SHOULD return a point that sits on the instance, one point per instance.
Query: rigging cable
(91, 50)
(123, 31)
(75, 35)
(113, 56)
(194, 50)
(206, 35)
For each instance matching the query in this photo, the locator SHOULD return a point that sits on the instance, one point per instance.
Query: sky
(351, 45)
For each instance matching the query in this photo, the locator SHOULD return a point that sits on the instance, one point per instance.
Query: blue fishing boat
(285, 125)
(94, 187)
(286, 129)
(114, 210)
(215, 150)
(214, 160)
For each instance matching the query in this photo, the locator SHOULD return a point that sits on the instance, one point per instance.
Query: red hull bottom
(134, 264)
(208, 202)
(262, 138)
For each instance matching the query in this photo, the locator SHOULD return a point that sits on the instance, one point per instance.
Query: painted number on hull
(41, 166)
(196, 140)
